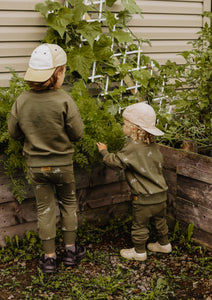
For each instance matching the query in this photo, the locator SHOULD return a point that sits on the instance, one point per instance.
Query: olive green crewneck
(47, 121)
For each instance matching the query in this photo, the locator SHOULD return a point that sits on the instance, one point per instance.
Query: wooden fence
(104, 194)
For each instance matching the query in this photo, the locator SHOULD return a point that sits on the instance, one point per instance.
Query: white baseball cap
(142, 115)
(43, 62)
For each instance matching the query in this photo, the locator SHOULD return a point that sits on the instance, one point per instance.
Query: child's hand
(101, 146)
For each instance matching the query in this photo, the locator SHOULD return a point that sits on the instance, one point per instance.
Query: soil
(187, 278)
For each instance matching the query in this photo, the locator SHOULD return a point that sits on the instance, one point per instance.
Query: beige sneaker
(131, 254)
(156, 247)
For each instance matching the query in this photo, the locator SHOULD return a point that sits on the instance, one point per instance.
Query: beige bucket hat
(142, 115)
(43, 62)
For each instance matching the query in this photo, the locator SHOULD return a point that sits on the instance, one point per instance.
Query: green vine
(190, 93)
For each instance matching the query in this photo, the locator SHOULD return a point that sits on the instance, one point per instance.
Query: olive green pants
(141, 216)
(48, 182)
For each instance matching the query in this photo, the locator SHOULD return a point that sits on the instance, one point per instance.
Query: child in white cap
(47, 119)
(142, 162)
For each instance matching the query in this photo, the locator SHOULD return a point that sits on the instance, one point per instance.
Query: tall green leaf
(102, 48)
(132, 7)
(90, 31)
(122, 36)
(80, 60)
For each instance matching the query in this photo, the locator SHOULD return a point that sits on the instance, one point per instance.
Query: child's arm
(110, 159)
(74, 125)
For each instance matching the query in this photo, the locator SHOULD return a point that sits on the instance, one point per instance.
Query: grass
(103, 273)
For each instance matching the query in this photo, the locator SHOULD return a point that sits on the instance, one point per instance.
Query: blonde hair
(49, 83)
(139, 134)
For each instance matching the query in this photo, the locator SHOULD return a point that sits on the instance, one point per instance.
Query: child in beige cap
(142, 162)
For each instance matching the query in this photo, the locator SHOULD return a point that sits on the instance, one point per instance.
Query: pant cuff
(69, 237)
(140, 248)
(49, 246)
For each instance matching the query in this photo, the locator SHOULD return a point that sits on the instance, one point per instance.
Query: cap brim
(38, 75)
(155, 131)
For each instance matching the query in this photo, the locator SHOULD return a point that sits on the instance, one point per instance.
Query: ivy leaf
(110, 19)
(122, 36)
(55, 23)
(101, 48)
(50, 37)
(42, 8)
(80, 60)
(78, 8)
(90, 31)
(110, 107)
(49, 6)
(132, 7)
(60, 21)
(124, 69)
(68, 38)
(142, 76)
(110, 2)
(110, 71)
(124, 17)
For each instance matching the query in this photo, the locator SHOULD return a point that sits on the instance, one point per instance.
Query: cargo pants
(48, 182)
(141, 215)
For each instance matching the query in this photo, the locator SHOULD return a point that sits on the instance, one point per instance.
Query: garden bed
(103, 194)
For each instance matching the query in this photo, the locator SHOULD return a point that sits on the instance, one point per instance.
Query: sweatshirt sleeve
(113, 160)
(74, 124)
(14, 129)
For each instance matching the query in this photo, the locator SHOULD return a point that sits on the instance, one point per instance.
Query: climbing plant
(190, 92)
(99, 62)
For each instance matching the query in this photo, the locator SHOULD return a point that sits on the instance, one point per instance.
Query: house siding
(169, 25)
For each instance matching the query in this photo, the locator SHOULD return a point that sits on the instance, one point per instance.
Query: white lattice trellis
(119, 58)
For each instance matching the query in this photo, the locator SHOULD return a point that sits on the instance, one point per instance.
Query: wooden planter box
(103, 193)
(189, 178)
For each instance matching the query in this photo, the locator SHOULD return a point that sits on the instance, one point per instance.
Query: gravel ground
(162, 276)
(185, 274)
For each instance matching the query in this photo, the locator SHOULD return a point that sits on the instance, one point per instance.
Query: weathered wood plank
(198, 215)
(198, 192)
(171, 180)
(171, 157)
(104, 195)
(101, 175)
(195, 166)
(13, 213)
(20, 230)
(202, 238)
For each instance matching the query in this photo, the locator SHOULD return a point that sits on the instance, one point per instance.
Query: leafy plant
(67, 27)
(85, 42)
(13, 162)
(191, 92)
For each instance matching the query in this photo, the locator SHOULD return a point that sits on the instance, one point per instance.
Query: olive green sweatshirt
(142, 164)
(47, 121)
